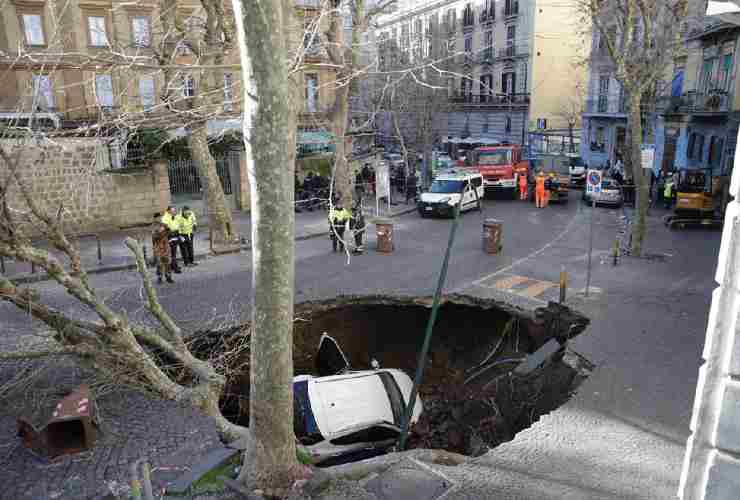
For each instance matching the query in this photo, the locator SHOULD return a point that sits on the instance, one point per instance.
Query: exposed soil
(472, 400)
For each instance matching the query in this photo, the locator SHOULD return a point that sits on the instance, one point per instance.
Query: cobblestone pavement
(132, 426)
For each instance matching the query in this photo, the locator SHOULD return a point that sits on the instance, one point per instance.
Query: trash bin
(384, 233)
(492, 236)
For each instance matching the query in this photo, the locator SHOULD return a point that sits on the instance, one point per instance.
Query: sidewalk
(113, 255)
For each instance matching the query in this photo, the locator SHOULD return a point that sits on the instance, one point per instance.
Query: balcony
(514, 51)
(496, 101)
(605, 105)
(695, 103)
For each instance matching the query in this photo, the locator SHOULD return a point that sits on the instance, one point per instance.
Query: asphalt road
(218, 289)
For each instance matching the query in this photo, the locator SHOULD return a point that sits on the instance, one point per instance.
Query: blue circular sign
(594, 178)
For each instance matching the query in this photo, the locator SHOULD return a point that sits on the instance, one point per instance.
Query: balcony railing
(693, 102)
(606, 105)
(492, 100)
(514, 50)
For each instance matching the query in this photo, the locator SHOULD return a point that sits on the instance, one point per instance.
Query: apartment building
(698, 113)
(604, 123)
(511, 63)
(84, 60)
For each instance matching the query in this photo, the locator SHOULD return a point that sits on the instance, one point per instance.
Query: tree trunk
(343, 178)
(642, 195)
(263, 27)
(219, 214)
(570, 137)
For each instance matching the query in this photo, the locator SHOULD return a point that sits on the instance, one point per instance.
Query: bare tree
(640, 38)
(270, 460)
(111, 344)
(344, 55)
(570, 111)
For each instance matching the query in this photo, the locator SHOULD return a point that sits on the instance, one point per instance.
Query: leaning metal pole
(430, 327)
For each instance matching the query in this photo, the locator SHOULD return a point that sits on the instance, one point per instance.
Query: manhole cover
(404, 482)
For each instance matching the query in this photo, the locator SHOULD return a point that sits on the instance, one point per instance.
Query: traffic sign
(593, 181)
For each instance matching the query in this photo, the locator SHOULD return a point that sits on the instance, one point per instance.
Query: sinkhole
(486, 376)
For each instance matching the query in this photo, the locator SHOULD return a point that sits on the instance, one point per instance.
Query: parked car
(350, 413)
(610, 195)
(444, 193)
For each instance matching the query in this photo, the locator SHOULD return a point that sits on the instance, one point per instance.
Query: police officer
(357, 224)
(170, 220)
(338, 217)
(187, 223)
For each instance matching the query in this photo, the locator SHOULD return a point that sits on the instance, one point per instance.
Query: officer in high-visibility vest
(170, 220)
(338, 217)
(187, 222)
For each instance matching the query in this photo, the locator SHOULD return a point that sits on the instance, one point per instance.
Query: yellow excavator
(694, 200)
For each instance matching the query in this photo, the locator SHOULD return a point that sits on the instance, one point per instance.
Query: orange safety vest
(522, 181)
(540, 183)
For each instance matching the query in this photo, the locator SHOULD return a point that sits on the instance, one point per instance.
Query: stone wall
(71, 173)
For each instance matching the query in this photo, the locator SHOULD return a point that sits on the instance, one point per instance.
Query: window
(369, 435)
(488, 45)
(228, 92)
(715, 152)
(508, 82)
(508, 125)
(469, 45)
(43, 97)
(486, 87)
(603, 102)
(104, 91)
(96, 28)
(691, 146)
(466, 88)
(706, 77)
(146, 92)
(511, 8)
(700, 148)
(312, 93)
(33, 27)
(140, 31)
(468, 17)
(510, 40)
(725, 72)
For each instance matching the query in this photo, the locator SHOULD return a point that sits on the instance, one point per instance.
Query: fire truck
(500, 166)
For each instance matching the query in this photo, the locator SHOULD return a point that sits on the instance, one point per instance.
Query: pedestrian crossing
(523, 286)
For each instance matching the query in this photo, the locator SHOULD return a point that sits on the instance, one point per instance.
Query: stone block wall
(71, 173)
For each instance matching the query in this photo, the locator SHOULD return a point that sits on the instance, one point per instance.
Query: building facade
(509, 64)
(699, 112)
(89, 60)
(604, 124)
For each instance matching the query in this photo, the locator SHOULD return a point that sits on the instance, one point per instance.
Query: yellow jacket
(339, 215)
(172, 223)
(186, 223)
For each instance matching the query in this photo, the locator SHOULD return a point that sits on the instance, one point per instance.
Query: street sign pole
(593, 186)
(590, 245)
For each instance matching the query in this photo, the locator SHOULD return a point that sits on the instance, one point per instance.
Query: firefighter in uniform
(539, 189)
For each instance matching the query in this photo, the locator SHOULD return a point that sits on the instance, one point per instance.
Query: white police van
(447, 188)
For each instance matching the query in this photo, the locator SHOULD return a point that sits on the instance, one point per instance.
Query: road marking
(537, 289)
(510, 282)
(531, 255)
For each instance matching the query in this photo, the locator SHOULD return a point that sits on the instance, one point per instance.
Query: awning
(728, 12)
